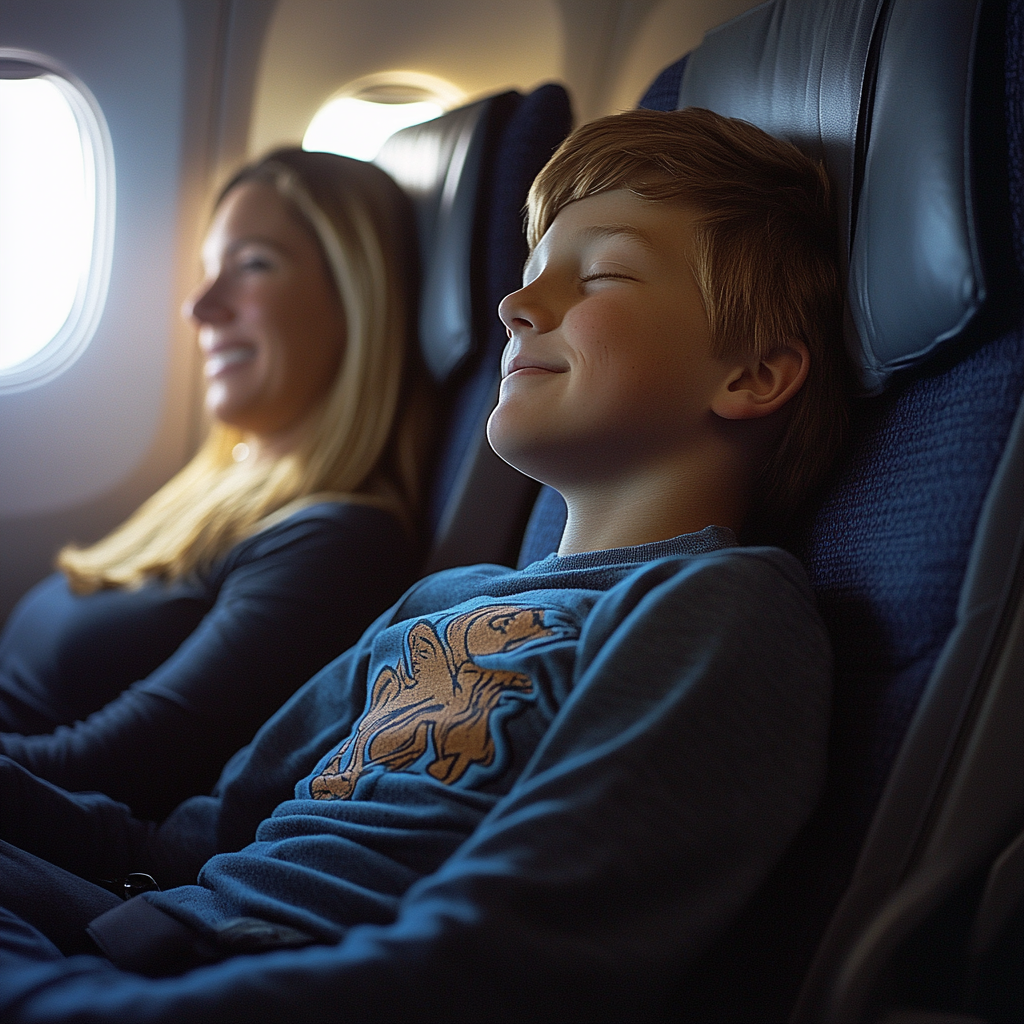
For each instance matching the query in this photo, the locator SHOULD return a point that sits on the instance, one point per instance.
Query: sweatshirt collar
(711, 538)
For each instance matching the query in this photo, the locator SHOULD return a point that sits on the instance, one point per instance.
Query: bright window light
(46, 216)
(358, 128)
(56, 219)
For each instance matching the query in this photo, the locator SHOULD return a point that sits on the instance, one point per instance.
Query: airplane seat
(915, 549)
(468, 173)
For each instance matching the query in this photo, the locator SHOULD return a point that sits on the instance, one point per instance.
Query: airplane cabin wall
(81, 451)
(605, 51)
(190, 89)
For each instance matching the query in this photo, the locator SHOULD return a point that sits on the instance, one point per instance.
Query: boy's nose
(509, 310)
(521, 310)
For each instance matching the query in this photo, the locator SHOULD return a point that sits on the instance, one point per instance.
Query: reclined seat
(468, 173)
(902, 890)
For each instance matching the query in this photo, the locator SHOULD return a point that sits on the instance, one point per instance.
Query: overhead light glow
(47, 216)
(358, 128)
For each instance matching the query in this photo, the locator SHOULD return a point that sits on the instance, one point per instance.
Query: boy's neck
(652, 506)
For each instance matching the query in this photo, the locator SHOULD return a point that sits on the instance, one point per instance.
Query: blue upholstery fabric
(888, 550)
(663, 93)
(525, 134)
(544, 530)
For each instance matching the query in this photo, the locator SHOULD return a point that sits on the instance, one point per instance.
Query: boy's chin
(520, 448)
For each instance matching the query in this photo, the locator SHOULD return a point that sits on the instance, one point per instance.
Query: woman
(158, 651)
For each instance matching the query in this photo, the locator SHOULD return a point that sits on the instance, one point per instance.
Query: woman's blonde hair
(368, 439)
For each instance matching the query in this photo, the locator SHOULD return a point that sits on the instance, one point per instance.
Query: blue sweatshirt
(531, 794)
(144, 694)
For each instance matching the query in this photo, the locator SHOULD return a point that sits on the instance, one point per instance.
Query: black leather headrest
(880, 90)
(437, 164)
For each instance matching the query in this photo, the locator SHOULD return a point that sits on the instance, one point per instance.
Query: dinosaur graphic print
(443, 696)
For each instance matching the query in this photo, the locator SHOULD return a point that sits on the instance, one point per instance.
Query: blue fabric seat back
(468, 173)
(888, 545)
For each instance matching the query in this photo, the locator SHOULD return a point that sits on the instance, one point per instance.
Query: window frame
(79, 328)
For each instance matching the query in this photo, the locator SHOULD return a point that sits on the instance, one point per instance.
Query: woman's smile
(271, 325)
(226, 357)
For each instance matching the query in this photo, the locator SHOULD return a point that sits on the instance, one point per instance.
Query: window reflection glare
(358, 128)
(47, 215)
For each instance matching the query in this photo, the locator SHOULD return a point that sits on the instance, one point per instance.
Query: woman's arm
(292, 598)
(94, 836)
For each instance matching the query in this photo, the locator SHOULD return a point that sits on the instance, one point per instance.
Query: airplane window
(56, 219)
(360, 118)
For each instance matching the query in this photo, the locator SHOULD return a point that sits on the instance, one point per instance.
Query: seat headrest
(880, 91)
(437, 164)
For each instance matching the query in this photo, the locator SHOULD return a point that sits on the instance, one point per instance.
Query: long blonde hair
(368, 440)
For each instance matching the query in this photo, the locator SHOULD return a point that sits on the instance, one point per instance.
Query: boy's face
(607, 370)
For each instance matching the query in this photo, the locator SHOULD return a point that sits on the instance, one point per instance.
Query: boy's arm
(691, 751)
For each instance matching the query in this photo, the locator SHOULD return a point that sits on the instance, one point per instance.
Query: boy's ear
(759, 387)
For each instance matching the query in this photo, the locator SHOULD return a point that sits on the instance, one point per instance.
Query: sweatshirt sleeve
(94, 836)
(297, 596)
(688, 755)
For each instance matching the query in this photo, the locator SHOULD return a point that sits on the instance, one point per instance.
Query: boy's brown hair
(765, 259)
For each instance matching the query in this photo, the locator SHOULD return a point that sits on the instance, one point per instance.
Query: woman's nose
(205, 305)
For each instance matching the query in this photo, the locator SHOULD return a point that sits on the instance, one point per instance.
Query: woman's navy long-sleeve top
(144, 694)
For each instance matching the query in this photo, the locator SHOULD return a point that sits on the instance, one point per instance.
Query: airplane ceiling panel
(312, 48)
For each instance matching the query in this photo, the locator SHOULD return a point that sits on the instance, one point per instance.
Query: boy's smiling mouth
(524, 364)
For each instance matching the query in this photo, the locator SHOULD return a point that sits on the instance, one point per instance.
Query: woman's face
(271, 325)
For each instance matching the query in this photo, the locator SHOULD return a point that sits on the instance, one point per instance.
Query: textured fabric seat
(915, 546)
(468, 173)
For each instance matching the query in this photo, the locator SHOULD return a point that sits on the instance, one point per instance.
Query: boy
(531, 794)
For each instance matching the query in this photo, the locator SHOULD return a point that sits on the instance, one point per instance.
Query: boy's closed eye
(608, 275)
